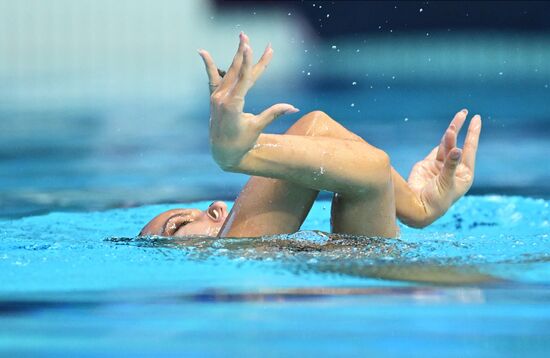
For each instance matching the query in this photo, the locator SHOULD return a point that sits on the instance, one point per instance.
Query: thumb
(447, 175)
(270, 114)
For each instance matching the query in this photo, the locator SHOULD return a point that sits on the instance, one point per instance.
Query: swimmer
(316, 153)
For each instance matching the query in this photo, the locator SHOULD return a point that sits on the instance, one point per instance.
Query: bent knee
(384, 164)
(315, 124)
(380, 180)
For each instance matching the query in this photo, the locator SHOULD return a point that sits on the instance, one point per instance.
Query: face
(188, 222)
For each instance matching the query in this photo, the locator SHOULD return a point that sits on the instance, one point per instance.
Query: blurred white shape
(89, 52)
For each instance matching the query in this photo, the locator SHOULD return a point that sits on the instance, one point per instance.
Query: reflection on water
(319, 252)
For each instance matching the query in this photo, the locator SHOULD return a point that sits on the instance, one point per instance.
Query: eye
(174, 223)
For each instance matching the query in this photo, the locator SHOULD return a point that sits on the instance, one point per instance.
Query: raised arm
(447, 173)
(319, 163)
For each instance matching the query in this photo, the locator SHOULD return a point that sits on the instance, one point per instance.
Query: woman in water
(316, 153)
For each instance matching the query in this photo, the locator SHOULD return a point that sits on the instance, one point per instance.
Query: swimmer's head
(188, 222)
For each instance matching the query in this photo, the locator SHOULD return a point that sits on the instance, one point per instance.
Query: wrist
(419, 217)
(229, 156)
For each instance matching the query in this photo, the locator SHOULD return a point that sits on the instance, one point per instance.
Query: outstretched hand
(447, 173)
(232, 132)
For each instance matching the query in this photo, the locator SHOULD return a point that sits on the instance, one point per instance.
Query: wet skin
(317, 153)
(188, 222)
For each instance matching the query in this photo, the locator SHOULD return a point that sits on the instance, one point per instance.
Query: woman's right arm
(319, 163)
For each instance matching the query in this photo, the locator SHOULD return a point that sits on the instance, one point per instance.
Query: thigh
(267, 207)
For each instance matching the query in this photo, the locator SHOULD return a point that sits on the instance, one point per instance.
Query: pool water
(77, 184)
(476, 283)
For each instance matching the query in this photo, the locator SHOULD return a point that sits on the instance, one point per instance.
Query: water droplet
(500, 73)
(309, 73)
(406, 119)
(289, 14)
(353, 83)
(328, 15)
(357, 50)
(352, 105)
(334, 47)
(420, 10)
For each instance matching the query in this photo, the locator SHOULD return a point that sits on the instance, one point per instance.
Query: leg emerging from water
(272, 206)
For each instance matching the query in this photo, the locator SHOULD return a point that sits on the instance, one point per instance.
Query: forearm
(320, 163)
(409, 208)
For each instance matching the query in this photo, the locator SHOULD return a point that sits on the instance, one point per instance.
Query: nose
(219, 205)
(217, 210)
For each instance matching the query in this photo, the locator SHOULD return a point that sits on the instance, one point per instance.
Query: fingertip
(455, 154)
(292, 110)
(464, 110)
(477, 121)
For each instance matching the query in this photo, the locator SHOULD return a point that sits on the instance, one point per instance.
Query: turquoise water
(76, 186)
(476, 283)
